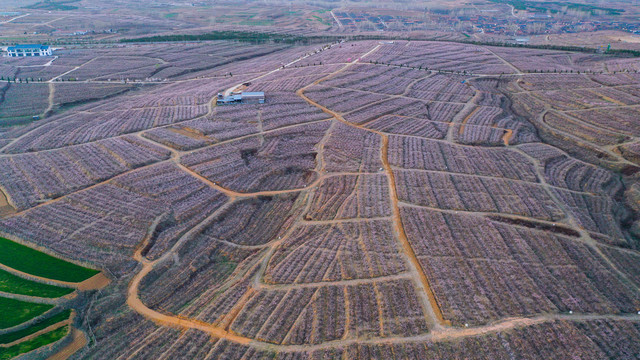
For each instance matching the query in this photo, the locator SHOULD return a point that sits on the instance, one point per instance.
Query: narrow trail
(508, 134)
(429, 301)
(52, 91)
(90, 187)
(235, 194)
(463, 123)
(234, 87)
(6, 207)
(574, 224)
(97, 281)
(349, 282)
(517, 71)
(440, 331)
(463, 116)
(175, 321)
(70, 71)
(40, 332)
(561, 133)
(79, 341)
(336, 19)
(13, 19)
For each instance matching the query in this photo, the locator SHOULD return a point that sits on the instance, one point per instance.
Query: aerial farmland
(390, 199)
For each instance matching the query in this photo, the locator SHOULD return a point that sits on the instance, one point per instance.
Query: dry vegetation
(404, 200)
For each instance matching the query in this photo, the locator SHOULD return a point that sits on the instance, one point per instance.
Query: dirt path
(573, 223)
(98, 281)
(175, 321)
(429, 302)
(561, 133)
(464, 121)
(79, 341)
(5, 206)
(52, 91)
(336, 19)
(508, 134)
(348, 282)
(463, 116)
(38, 333)
(234, 87)
(234, 194)
(15, 18)
(518, 71)
(440, 332)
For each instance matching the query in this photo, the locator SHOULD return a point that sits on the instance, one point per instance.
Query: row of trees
(535, 71)
(19, 80)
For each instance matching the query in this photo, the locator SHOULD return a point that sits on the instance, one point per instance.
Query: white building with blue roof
(29, 50)
(241, 98)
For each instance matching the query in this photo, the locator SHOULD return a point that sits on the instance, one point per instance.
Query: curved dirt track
(38, 333)
(79, 341)
(95, 282)
(134, 302)
(441, 328)
(431, 307)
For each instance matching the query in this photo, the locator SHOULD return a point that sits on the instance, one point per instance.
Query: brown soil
(5, 207)
(79, 341)
(508, 134)
(96, 282)
(466, 118)
(134, 302)
(558, 229)
(408, 250)
(191, 133)
(37, 333)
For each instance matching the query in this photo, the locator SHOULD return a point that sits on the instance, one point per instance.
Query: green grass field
(29, 345)
(43, 324)
(15, 312)
(34, 262)
(16, 285)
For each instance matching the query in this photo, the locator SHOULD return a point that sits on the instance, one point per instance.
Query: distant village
(494, 22)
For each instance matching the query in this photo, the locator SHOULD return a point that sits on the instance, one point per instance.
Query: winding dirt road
(79, 341)
(441, 327)
(430, 303)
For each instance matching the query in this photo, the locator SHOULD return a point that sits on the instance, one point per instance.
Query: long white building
(29, 50)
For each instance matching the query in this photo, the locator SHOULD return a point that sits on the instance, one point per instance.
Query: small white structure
(241, 98)
(29, 50)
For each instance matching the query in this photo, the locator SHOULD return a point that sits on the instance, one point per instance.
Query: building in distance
(29, 50)
(241, 98)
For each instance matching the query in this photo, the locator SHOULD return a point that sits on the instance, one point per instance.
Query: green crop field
(16, 285)
(29, 345)
(15, 312)
(34, 262)
(43, 324)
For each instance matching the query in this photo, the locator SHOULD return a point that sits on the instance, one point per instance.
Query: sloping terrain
(389, 200)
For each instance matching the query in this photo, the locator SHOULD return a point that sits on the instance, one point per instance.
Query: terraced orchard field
(389, 200)
(36, 294)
